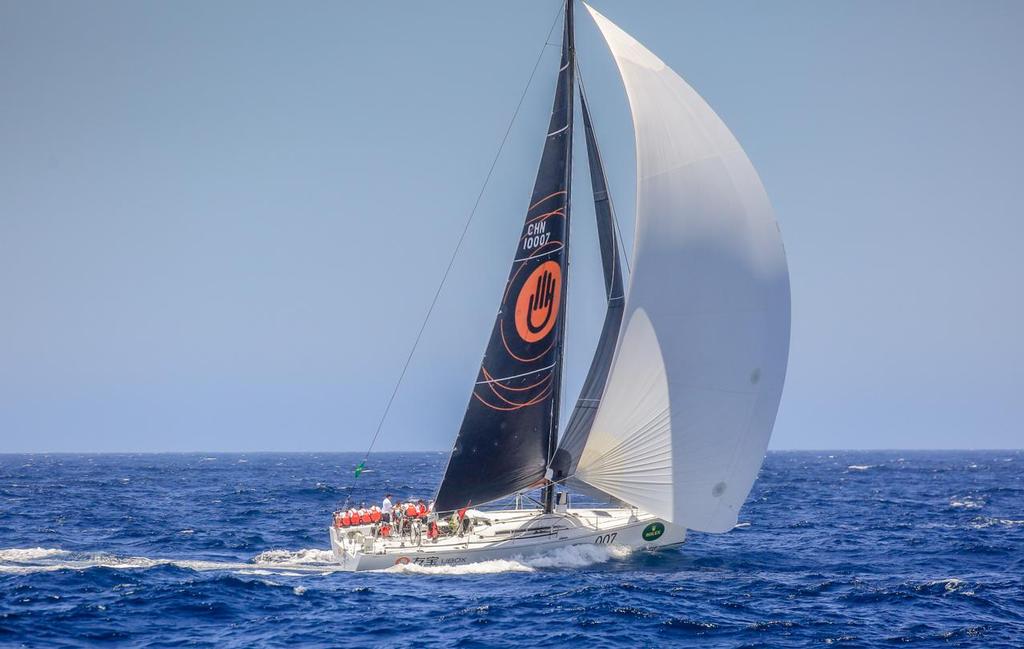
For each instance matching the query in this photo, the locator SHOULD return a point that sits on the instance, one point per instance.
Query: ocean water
(846, 549)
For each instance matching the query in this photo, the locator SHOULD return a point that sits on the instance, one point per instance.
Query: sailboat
(674, 417)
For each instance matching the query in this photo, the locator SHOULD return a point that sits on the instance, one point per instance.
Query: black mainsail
(508, 433)
(564, 463)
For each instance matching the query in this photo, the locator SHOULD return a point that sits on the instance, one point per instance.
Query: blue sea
(845, 549)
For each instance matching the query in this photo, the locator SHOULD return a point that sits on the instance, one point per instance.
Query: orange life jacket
(346, 520)
(375, 516)
(421, 510)
(364, 517)
(410, 511)
(385, 530)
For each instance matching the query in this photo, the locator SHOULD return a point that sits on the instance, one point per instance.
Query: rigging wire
(455, 252)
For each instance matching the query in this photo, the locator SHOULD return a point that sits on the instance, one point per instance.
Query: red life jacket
(421, 510)
(346, 520)
(432, 530)
(375, 516)
(385, 530)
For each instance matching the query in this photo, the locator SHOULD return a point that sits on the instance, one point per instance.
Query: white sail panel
(694, 389)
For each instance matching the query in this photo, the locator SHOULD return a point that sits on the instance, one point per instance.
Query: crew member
(386, 508)
(421, 509)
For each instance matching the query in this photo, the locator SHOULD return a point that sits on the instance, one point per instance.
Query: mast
(568, 59)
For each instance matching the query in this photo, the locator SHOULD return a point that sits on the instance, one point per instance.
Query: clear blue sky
(221, 223)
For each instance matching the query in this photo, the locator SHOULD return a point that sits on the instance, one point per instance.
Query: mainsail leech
(506, 438)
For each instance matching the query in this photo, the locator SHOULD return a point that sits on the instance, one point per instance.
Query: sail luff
(582, 418)
(505, 440)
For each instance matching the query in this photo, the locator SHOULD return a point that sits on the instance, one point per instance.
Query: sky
(221, 224)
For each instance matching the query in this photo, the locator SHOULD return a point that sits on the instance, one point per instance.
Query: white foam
(573, 556)
(966, 502)
(297, 563)
(951, 585)
(983, 522)
(579, 556)
(860, 467)
(277, 562)
(478, 568)
(295, 557)
(29, 554)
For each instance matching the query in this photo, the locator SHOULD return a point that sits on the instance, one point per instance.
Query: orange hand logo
(538, 301)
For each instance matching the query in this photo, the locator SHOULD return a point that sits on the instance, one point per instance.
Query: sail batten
(691, 398)
(506, 438)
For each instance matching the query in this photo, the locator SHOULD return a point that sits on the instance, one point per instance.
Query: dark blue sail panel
(576, 432)
(506, 438)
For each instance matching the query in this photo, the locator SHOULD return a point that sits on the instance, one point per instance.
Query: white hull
(509, 534)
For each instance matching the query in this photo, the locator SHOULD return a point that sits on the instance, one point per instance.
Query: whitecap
(967, 502)
(985, 521)
(860, 467)
(29, 554)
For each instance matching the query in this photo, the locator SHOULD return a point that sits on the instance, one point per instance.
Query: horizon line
(294, 452)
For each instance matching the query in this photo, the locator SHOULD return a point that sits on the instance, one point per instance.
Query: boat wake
(575, 556)
(295, 563)
(280, 562)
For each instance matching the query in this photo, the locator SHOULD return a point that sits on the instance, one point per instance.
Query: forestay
(700, 362)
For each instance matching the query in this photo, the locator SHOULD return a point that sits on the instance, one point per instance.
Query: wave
(860, 467)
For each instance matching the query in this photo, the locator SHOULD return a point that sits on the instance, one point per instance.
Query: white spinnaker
(695, 385)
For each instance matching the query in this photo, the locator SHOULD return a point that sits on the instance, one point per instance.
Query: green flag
(360, 467)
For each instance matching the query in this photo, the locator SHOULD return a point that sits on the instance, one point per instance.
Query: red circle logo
(538, 302)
